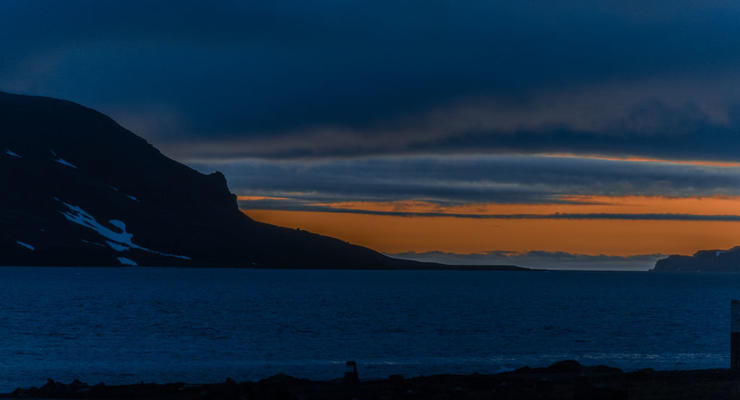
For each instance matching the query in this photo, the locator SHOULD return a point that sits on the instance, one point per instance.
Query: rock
(567, 366)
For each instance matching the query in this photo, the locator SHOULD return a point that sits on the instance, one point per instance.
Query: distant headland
(702, 261)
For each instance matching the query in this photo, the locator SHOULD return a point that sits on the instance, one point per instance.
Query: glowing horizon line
(701, 163)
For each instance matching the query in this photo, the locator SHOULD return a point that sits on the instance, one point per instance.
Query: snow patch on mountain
(92, 243)
(127, 261)
(62, 161)
(117, 238)
(12, 153)
(117, 246)
(115, 189)
(26, 245)
(118, 224)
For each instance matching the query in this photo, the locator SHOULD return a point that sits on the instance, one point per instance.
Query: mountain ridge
(83, 190)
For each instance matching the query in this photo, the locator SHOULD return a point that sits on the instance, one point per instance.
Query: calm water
(197, 325)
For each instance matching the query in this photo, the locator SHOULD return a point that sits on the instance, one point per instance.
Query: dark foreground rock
(563, 380)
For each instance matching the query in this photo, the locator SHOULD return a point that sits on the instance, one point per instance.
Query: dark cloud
(326, 78)
(541, 260)
(297, 205)
(463, 180)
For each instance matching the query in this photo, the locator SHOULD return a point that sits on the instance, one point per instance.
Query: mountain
(702, 261)
(80, 190)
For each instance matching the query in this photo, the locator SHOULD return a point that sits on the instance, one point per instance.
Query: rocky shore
(562, 380)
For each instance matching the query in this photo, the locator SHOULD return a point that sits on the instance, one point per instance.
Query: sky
(569, 134)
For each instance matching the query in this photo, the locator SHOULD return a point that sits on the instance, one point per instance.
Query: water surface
(126, 325)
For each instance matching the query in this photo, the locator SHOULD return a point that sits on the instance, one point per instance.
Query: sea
(131, 325)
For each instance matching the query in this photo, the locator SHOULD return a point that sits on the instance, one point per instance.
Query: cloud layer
(470, 179)
(288, 79)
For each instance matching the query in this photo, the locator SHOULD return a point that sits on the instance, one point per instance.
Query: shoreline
(562, 380)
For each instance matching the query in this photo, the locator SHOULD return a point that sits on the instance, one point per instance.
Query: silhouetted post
(735, 336)
(351, 376)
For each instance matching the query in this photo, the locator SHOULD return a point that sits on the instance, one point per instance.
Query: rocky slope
(79, 189)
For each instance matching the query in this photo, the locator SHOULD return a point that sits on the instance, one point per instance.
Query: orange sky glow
(726, 164)
(395, 234)
(715, 205)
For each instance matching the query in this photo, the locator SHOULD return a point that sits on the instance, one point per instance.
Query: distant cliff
(79, 189)
(702, 261)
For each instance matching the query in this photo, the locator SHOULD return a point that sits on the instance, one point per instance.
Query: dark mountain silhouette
(702, 261)
(78, 189)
